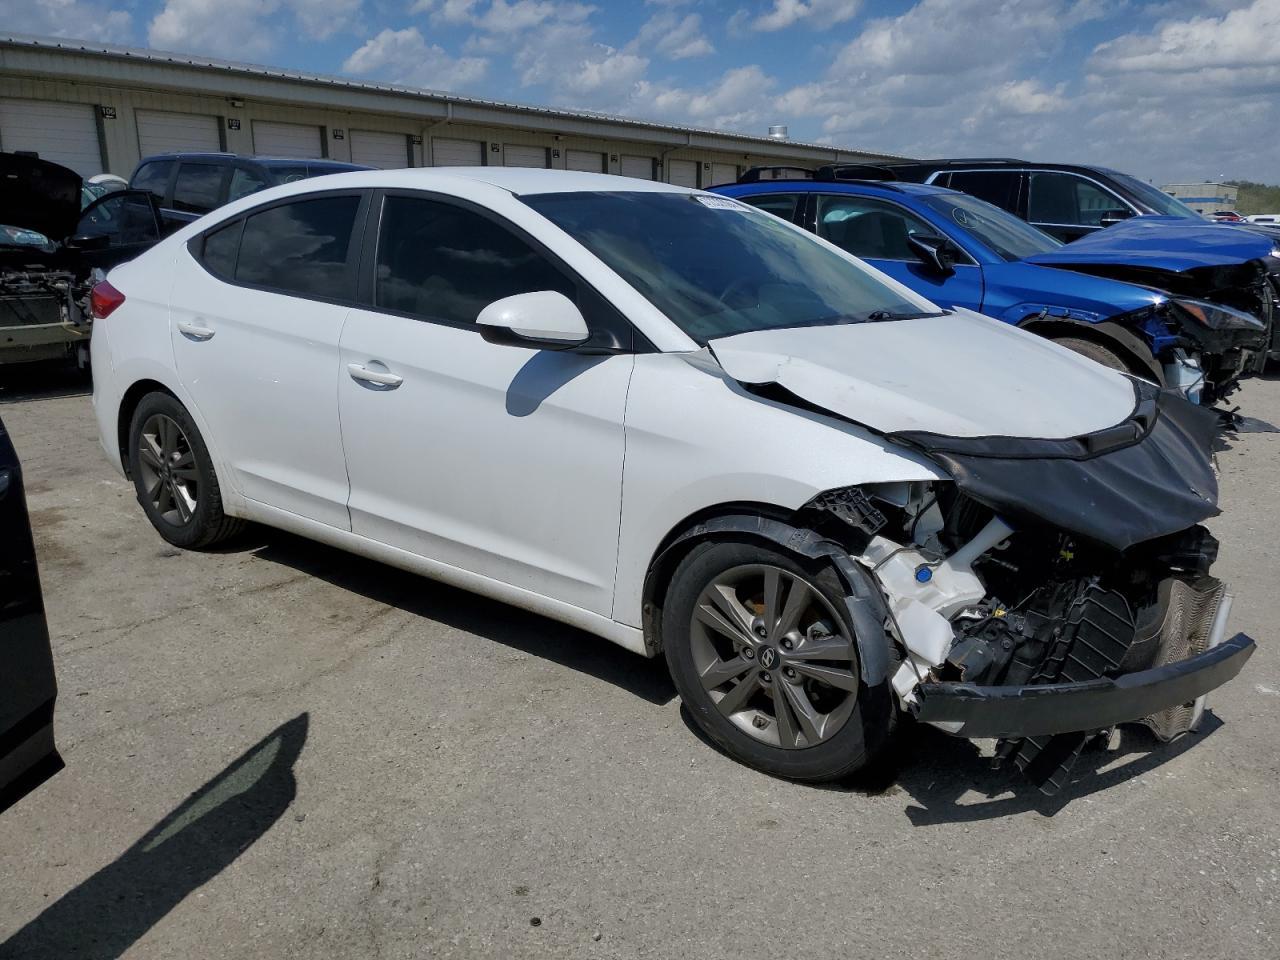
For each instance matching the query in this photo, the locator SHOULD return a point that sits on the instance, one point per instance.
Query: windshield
(1004, 234)
(717, 267)
(1156, 199)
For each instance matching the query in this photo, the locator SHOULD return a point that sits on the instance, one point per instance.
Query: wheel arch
(780, 529)
(129, 401)
(1126, 344)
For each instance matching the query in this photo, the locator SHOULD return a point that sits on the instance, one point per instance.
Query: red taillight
(103, 300)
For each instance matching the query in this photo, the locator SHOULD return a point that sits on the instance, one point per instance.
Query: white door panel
(266, 384)
(588, 161)
(298, 140)
(161, 132)
(683, 173)
(388, 151)
(456, 153)
(639, 167)
(518, 155)
(503, 461)
(65, 133)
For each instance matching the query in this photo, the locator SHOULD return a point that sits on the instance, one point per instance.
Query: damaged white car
(678, 423)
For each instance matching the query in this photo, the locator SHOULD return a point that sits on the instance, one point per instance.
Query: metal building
(101, 108)
(1204, 197)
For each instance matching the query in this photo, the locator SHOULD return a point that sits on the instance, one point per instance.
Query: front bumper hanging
(1052, 708)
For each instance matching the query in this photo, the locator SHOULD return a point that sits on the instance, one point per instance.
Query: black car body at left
(28, 755)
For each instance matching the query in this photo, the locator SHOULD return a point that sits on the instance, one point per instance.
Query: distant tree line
(1256, 197)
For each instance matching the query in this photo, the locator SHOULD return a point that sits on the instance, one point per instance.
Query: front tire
(1099, 354)
(763, 655)
(174, 477)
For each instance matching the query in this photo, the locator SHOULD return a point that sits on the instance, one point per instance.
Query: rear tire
(174, 477)
(796, 706)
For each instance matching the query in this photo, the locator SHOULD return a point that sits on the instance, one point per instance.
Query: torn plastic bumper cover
(1039, 710)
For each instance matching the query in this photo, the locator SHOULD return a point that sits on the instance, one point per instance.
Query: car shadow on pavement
(42, 381)
(463, 610)
(946, 774)
(107, 913)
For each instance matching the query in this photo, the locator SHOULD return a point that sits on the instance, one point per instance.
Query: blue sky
(1167, 90)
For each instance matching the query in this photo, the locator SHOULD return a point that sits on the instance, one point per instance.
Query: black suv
(1065, 199)
(189, 185)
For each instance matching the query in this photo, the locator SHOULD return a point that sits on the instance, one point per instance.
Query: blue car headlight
(1215, 316)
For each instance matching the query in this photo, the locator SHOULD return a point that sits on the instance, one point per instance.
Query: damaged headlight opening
(1216, 316)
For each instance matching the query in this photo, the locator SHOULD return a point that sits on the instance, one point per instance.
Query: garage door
(298, 140)
(517, 155)
(66, 133)
(724, 173)
(683, 173)
(584, 160)
(386, 150)
(639, 167)
(456, 153)
(160, 132)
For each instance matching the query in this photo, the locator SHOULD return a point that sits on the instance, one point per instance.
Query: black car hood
(39, 195)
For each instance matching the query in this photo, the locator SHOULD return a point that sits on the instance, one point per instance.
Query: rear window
(301, 247)
(153, 177)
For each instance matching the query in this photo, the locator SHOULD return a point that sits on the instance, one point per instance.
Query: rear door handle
(194, 331)
(379, 379)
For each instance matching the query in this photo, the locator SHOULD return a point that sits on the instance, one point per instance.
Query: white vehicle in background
(681, 424)
(1263, 218)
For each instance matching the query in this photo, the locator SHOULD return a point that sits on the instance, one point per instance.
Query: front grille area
(30, 310)
(1185, 630)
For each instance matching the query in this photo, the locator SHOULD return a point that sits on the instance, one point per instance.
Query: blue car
(960, 251)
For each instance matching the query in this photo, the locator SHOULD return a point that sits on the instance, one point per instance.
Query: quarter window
(443, 262)
(153, 177)
(198, 187)
(1063, 198)
(220, 248)
(301, 247)
(871, 229)
(779, 204)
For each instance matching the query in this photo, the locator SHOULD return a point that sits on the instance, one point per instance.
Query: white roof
(518, 180)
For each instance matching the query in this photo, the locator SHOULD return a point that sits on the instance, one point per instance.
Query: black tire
(1100, 354)
(854, 746)
(193, 528)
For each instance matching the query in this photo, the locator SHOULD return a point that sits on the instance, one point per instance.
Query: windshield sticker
(718, 203)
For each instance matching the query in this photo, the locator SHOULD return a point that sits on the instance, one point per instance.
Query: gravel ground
(386, 767)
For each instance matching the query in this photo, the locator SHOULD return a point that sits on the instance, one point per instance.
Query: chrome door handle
(193, 331)
(377, 378)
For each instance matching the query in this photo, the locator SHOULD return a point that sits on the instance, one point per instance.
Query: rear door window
(245, 182)
(198, 188)
(442, 262)
(153, 177)
(994, 186)
(782, 205)
(303, 247)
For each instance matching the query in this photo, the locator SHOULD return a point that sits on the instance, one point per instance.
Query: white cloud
(244, 28)
(404, 56)
(1247, 37)
(673, 36)
(739, 99)
(68, 18)
(820, 13)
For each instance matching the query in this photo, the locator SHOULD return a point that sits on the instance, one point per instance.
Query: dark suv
(189, 185)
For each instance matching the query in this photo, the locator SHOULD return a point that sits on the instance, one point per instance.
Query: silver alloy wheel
(774, 656)
(167, 468)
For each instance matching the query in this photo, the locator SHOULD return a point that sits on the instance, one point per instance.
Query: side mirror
(934, 252)
(87, 242)
(543, 319)
(1111, 217)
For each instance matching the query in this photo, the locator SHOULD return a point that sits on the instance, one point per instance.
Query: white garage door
(456, 153)
(298, 140)
(639, 167)
(66, 133)
(160, 132)
(683, 173)
(389, 151)
(724, 173)
(517, 155)
(584, 160)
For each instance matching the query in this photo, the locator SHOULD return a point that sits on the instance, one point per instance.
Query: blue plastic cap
(923, 574)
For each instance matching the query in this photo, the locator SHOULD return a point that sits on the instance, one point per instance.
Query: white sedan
(692, 429)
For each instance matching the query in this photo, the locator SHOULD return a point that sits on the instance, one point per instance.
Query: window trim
(611, 330)
(355, 246)
(818, 195)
